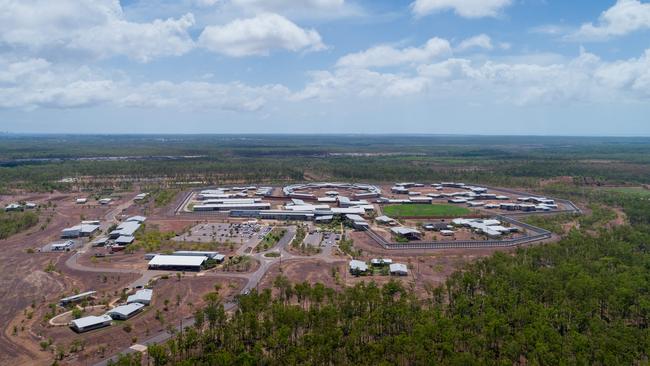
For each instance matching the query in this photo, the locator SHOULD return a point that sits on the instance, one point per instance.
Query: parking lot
(248, 234)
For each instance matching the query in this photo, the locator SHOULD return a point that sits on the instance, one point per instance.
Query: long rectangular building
(233, 206)
(177, 262)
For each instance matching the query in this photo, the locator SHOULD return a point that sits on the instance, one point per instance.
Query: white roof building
(90, 322)
(399, 269)
(380, 261)
(124, 312)
(139, 219)
(141, 296)
(405, 231)
(178, 262)
(127, 228)
(124, 239)
(356, 265)
(384, 220)
(81, 200)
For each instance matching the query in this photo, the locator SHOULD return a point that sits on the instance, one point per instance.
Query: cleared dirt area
(312, 271)
(173, 301)
(39, 278)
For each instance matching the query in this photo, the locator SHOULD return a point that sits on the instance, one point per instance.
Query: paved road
(253, 279)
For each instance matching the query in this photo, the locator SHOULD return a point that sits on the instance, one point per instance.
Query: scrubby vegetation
(15, 222)
(581, 301)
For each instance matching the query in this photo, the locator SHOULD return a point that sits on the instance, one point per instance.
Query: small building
(399, 190)
(435, 226)
(142, 296)
(357, 266)
(196, 253)
(90, 322)
(406, 232)
(77, 298)
(127, 228)
(105, 201)
(62, 247)
(399, 269)
(324, 219)
(357, 221)
(124, 240)
(124, 312)
(219, 258)
(81, 201)
(138, 219)
(30, 205)
(140, 196)
(177, 262)
(385, 220)
(80, 230)
(457, 200)
(421, 199)
(100, 242)
(381, 261)
(447, 232)
(13, 207)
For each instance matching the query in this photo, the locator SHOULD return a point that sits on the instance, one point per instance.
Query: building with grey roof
(124, 312)
(142, 296)
(90, 322)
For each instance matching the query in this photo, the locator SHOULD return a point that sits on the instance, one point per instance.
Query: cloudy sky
(326, 66)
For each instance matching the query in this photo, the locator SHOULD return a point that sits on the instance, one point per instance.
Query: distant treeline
(505, 161)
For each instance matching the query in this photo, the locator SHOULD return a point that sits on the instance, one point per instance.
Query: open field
(422, 210)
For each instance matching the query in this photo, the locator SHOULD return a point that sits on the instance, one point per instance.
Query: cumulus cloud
(96, 27)
(384, 55)
(481, 41)
(259, 36)
(330, 85)
(585, 78)
(626, 16)
(37, 83)
(284, 5)
(464, 8)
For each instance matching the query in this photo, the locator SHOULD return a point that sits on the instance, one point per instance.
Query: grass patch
(272, 254)
(271, 239)
(418, 210)
(640, 191)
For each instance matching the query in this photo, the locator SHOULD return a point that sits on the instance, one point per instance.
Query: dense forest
(14, 222)
(584, 300)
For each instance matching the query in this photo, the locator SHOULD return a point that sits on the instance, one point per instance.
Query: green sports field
(418, 210)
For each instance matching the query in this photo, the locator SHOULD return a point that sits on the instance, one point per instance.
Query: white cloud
(140, 41)
(481, 41)
(464, 8)
(384, 55)
(95, 27)
(37, 83)
(518, 81)
(626, 16)
(258, 36)
(328, 85)
(290, 5)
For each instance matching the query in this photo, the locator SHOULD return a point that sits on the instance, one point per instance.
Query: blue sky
(325, 66)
